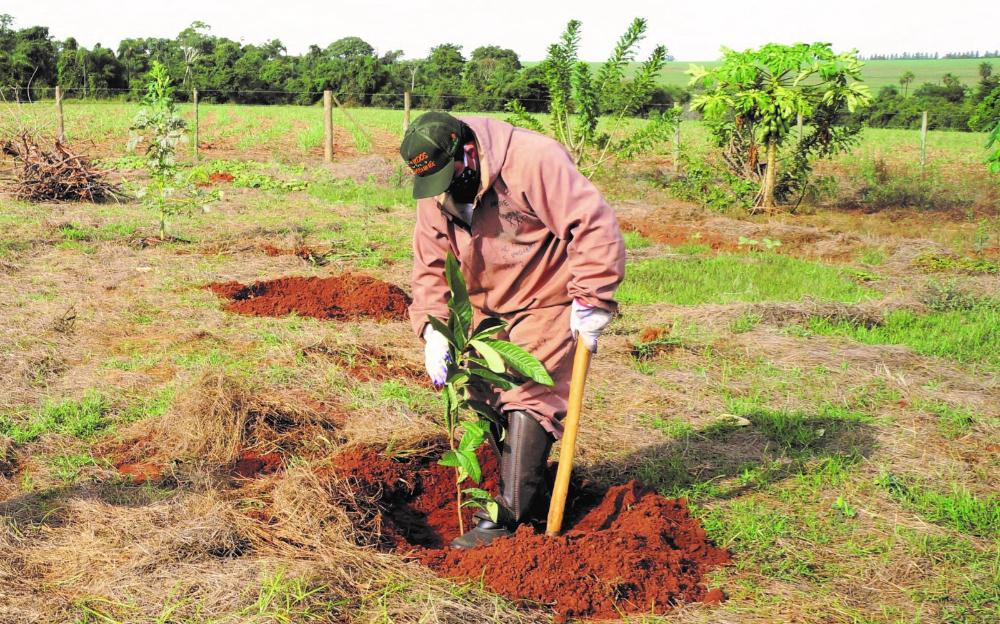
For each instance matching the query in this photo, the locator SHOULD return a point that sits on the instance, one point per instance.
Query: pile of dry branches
(55, 175)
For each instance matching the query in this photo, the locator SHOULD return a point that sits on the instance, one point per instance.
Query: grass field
(829, 405)
(876, 74)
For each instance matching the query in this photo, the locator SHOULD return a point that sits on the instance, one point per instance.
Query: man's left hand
(588, 322)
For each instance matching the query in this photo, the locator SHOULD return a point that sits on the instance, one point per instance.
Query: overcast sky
(691, 30)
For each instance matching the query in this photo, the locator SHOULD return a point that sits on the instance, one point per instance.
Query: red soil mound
(340, 297)
(251, 464)
(624, 550)
(141, 472)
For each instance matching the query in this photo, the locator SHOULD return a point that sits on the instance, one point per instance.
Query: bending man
(539, 247)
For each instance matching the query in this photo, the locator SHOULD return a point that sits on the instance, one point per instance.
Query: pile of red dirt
(623, 550)
(141, 472)
(251, 464)
(340, 297)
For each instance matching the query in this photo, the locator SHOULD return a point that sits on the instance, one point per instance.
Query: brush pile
(57, 174)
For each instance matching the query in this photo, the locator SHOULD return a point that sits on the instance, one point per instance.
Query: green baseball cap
(430, 146)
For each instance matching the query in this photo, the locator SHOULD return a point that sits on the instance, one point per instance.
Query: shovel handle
(581, 362)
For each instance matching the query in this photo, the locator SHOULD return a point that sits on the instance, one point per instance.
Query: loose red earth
(251, 464)
(341, 297)
(623, 550)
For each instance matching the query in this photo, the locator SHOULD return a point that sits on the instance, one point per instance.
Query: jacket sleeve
(575, 211)
(430, 248)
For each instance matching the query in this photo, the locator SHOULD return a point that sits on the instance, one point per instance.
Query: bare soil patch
(252, 464)
(678, 234)
(367, 362)
(623, 550)
(341, 297)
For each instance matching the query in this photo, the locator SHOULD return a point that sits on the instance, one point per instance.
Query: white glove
(436, 355)
(588, 322)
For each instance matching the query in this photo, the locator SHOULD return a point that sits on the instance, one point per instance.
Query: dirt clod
(341, 297)
(142, 472)
(623, 550)
(251, 464)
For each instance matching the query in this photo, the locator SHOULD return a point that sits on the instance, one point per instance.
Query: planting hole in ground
(623, 550)
(341, 297)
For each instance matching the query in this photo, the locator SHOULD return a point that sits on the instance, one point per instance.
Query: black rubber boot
(523, 457)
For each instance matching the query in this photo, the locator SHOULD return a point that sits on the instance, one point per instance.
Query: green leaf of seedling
(476, 497)
(495, 379)
(452, 395)
(489, 326)
(449, 458)
(468, 466)
(493, 508)
(493, 358)
(474, 434)
(486, 411)
(458, 378)
(455, 325)
(459, 303)
(521, 361)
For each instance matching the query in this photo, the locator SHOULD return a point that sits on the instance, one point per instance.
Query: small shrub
(882, 188)
(712, 187)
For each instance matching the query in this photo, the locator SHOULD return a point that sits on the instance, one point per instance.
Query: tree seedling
(479, 363)
(161, 129)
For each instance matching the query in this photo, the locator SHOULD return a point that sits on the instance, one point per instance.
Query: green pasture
(292, 133)
(876, 74)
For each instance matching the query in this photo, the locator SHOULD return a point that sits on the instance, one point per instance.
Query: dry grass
(201, 544)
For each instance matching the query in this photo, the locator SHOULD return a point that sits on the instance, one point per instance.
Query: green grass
(970, 336)
(953, 422)
(746, 322)
(794, 430)
(958, 509)
(67, 467)
(78, 418)
(872, 255)
(250, 174)
(635, 240)
(367, 194)
(942, 262)
(730, 278)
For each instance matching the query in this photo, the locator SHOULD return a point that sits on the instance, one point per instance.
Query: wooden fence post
(327, 126)
(195, 98)
(62, 122)
(406, 110)
(677, 142)
(923, 142)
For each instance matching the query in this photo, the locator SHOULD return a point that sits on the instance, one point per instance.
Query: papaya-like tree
(753, 98)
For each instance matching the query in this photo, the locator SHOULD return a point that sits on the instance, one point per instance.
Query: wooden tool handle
(581, 362)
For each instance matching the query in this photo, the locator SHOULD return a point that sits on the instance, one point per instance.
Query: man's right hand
(436, 355)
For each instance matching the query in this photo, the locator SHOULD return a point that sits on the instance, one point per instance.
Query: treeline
(949, 104)
(32, 63)
(929, 56)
